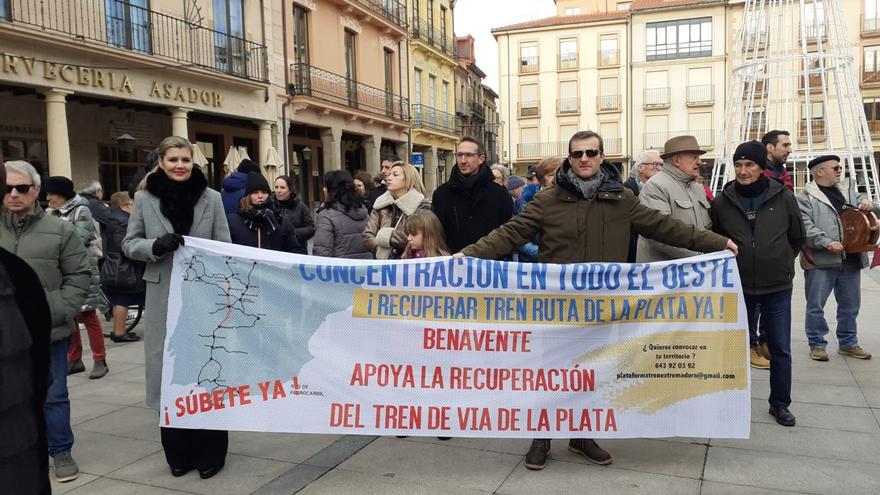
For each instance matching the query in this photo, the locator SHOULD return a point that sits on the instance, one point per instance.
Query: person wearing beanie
(257, 223)
(827, 267)
(762, 217)
(64, 203)
(233, 186)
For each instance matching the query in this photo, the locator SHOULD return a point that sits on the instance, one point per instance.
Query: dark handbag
(119, 272)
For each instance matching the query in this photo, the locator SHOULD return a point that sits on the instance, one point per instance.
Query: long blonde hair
(411, 176)
(428, 224)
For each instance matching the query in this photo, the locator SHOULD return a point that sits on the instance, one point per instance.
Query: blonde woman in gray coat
(175, 202)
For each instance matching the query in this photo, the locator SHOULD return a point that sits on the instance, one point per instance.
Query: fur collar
(177, 200)
(408, 203)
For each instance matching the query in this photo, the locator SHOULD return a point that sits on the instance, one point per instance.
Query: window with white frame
(679, 39)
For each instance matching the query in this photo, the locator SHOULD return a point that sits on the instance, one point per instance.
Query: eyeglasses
(19, 188)
(837, 168)
(580, 153)
(463, 154)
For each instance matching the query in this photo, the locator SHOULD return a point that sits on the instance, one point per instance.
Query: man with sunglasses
(826, 266)
(587, 217)
(470, 204)
(674, 191)
(56, 252)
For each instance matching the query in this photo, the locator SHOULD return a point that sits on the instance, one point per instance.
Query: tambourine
(860, 230)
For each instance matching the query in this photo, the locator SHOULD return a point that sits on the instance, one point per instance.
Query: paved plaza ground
(835, 448)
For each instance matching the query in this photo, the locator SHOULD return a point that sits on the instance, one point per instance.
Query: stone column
(178, 122)
(331, 140)
(56, 132)
(430, 170)
(265, 142)
(373, 150)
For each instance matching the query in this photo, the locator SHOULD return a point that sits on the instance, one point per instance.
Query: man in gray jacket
(55, 251)
(827, 267)
(675, 192)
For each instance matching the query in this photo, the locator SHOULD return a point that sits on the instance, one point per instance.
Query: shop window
(32, 151)
(249, 145)
(116, 167)
(128, 24)
(4, 9)
(872, 114)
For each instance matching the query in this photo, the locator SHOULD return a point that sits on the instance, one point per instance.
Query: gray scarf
(587, 186)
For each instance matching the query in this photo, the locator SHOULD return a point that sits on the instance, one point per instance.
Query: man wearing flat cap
(675, 192)
(826, 266)
(762, 217)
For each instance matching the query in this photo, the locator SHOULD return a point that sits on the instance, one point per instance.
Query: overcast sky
(478, 17)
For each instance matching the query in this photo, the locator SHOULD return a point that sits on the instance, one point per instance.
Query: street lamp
(126, 142)
(307, 153)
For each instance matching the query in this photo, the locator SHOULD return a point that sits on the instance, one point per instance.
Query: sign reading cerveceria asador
(266, 341)
(113, 81)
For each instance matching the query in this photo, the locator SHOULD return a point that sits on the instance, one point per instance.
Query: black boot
(536, 457)
(783, 415)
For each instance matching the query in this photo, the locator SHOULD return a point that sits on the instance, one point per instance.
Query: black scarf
(836, 197)
(754, 189)
(470, 184)
(177, 200)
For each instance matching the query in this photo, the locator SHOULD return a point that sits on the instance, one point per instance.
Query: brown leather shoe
(854, 352)
(757, 360)
(818, 354)
(588, 448)
(764, 351)
(537, 455)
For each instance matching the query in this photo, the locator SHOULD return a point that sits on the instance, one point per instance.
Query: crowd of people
(62, 265)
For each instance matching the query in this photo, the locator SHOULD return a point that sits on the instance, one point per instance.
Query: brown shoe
(537, 455)
(588, 448)
(854, 352)
(817, 354)
(764, 351)
(757, 360)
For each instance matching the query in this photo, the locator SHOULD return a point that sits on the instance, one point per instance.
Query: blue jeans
(57, 406)
(845, 281)
(756, 338)
(775, 316)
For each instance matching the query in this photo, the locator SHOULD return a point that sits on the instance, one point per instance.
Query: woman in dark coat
(175, 202)
(288, 205)
(341, 219)
(121, 276)
(256, 223)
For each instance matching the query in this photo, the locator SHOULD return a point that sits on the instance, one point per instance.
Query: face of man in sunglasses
(831, 172)
(17, 203)
(585, 166)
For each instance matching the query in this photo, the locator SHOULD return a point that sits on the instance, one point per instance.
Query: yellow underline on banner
(547, 309)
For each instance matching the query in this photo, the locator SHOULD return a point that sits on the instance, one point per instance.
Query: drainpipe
(629, 85)
(509, 115)
(287, 100)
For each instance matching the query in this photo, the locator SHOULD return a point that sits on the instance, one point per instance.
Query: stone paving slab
(344, 481)
(128, 422)
(716, 488)
(101, 454)
(107, 486)
(791, 472)
(440, 465)
(560, 478)
(834, 418)
(290, 447)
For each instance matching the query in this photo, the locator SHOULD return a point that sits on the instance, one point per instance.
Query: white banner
(265, 341)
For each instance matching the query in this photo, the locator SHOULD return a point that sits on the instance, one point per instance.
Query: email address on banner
(546, 309)
(689, 376)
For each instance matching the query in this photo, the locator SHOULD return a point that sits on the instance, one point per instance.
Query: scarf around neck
(177, 200)
(588, 186)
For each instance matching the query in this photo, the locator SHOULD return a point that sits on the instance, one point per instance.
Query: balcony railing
(656, 98)
(656, 140)
(759, 88)
(422, 30)
(424, 116)
(462, 108)
(613, 145)
(815, 126)
(609, 58)
(122, 25)
(870, 25)
(814, 30)
(568, 105)
(608, 103)
(568, 61)
(529, 108)
(477, 111)
(393, 10)
(542, 150)
(334, 88)
(703, 94)
(870, 77)
(528, 65)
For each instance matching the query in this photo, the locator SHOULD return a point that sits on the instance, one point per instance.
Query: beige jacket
(384, 231)
(675, 194)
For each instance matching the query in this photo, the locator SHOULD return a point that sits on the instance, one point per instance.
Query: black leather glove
(168, 243)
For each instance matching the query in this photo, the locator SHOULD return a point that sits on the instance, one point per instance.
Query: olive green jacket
(574, 229)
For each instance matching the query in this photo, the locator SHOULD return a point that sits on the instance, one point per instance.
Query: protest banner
(266, 341)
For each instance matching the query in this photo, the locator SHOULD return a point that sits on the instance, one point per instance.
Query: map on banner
(260, 340)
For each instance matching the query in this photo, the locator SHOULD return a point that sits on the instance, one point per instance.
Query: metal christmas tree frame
(793, 70)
